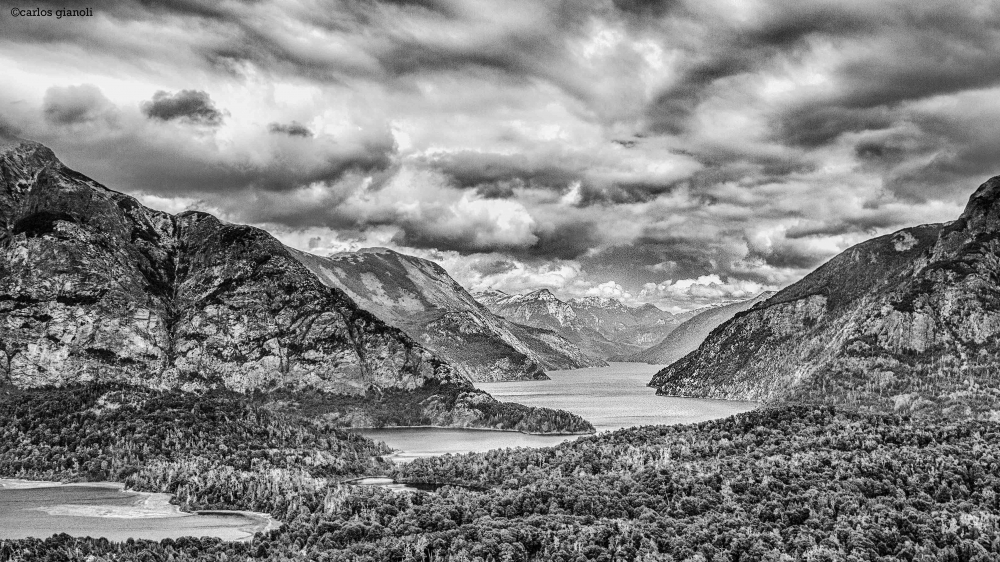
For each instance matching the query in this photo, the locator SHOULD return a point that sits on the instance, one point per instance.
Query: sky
(672, 152)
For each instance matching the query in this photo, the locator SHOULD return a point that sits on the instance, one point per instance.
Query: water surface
(611, 398)
(41, 509)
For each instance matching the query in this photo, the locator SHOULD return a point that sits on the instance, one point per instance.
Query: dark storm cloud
(550, 241)
(8, 130)
(75, 104)
(647, 8)
(293, 129)
(493, 266)
(880, 152)
(564, 241)
(501, 175)
(958, 153)
(623, 192)
(498, 174)
(807, 124)
(780, 31)
(914, 51)
(659, 261)
(815, 126)
(688, 256)
(789, 257)
(188, 105)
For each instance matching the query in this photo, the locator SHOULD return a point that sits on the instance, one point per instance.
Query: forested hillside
(790, 483)
(213, 450)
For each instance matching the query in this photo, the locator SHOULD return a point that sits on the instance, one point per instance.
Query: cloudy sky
(675, 152)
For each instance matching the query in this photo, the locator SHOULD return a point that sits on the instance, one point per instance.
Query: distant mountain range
(96, 287)
(907, 322)
(419, 296)
(604, 328)
(689, 335)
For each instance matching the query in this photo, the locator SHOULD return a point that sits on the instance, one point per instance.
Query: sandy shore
(147, 506)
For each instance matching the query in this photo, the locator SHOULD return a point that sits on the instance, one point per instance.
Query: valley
(850, 416)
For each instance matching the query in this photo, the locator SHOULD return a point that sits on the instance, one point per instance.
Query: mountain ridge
(908, 321)
(94, 284)
(603, 327)
(418, 296)
(690, 333)
(96, 289)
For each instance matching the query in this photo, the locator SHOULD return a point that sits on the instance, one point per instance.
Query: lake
(611, 398)
(39, 509)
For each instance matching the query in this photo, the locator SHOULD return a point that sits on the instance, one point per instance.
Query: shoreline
(756, 403)
(553, 434)
(148, 505)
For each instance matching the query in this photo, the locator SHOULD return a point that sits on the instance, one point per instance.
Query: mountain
(689, 335)
(95, 287)
(907, 321)
(419, 296)
(602, 327)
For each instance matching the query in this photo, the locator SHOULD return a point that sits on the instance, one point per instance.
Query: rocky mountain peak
(489, 293)
(982, 213)
(22, 159)
(542, 295)
(379, 250)
(597, 302)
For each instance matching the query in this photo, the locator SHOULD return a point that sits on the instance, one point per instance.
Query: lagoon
(104, 509)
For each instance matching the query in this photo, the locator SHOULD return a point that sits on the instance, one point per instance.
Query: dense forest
(213, 450)
(430, 404)
(787, 483)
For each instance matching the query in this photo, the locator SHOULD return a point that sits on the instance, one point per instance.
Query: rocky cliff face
(603, 327)
(908, 321)
(420, 297)
(94, 286)
(689, 335)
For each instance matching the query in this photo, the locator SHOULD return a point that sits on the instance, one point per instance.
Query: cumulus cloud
(664, 150)
(611, 290)
(707, 289)
(187, 105)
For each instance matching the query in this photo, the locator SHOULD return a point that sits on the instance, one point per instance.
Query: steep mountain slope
(420, 297)
(96, 287)
(689, 335)
(603, 327)
(908, 321)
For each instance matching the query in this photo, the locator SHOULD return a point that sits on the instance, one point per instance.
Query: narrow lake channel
(611, 398)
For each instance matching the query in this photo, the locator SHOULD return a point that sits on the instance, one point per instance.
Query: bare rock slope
(907, 322)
